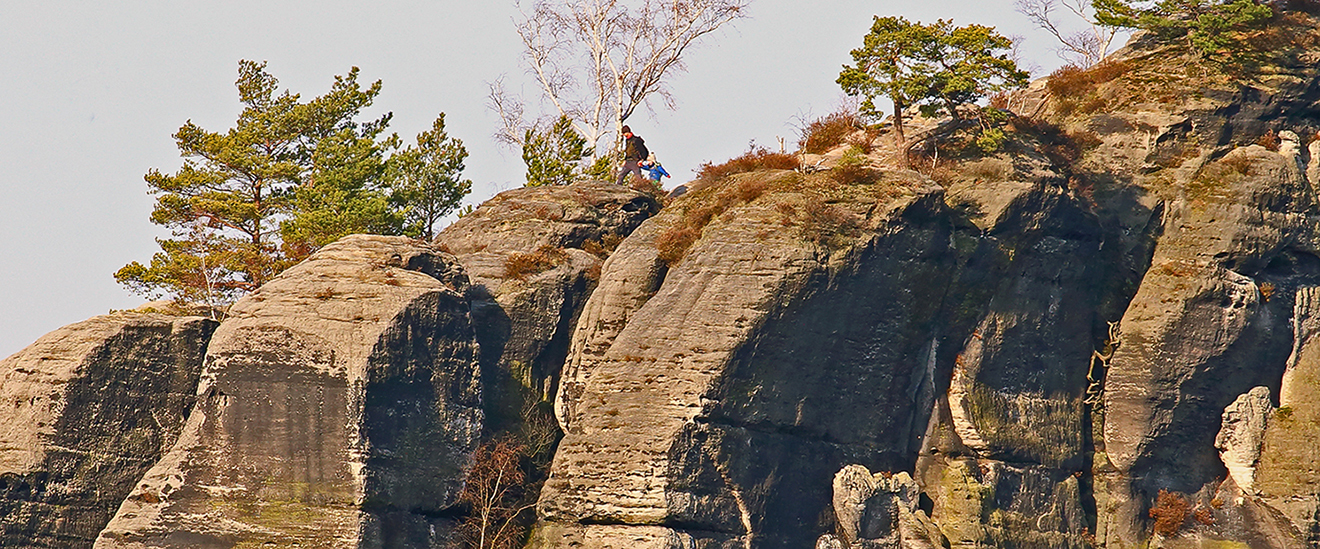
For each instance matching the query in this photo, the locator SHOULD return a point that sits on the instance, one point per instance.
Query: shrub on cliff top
(827, 132)
(756, 158)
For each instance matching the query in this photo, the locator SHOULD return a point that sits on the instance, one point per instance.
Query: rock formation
(338, 407)
(85, 411)
(554, 239)
(1071, 342)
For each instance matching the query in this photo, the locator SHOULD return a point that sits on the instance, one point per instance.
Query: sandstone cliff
(338, 407)
(534, 255)
(87, 410)
(1103, 334)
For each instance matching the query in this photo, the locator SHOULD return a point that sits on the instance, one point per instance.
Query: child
(654, 171)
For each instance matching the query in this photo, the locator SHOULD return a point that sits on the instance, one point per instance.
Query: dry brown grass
(821, 222)
(828, 132)
(520, 266)
(673, 244)
(854, 174)
(755, 159)
(1075, 89)
(1269, 140)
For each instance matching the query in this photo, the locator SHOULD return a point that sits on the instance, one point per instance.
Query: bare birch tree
(1084, 48)
(597, 61)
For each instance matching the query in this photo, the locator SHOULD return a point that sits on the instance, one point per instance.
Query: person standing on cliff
(634, 150)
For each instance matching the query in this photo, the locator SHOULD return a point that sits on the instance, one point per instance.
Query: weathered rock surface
(881, 511)
(717, 395)
(1242, 434)
(339, 407)
(85, 411)
(712, 406)
(1288, 474)
(524, 320)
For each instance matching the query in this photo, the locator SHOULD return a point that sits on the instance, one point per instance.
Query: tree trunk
(898, 134)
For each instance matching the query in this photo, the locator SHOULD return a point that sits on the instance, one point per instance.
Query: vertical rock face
(524, 320)
(757, 368)
(716, 395)
(1288, 473)
(339, 407)
(84, 412)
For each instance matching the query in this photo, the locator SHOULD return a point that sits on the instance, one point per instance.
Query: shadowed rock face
(339, 407)
(716, 396)
(524, 320)
(87, 409)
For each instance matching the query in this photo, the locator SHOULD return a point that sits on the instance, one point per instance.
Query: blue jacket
(655, 172)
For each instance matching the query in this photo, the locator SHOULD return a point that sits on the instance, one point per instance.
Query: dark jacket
(635, 149)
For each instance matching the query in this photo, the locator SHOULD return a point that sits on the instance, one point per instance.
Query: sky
(93, 91)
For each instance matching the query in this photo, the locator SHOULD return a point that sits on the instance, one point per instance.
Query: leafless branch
(597, 61)
(1084, 48)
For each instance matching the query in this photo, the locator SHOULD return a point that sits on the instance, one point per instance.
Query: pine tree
(426, 179)
(288, 178)
(928, 65)
(554, 157)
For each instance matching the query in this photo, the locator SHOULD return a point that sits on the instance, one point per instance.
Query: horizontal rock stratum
(85, 411)
(1100, 334)
(338, 407)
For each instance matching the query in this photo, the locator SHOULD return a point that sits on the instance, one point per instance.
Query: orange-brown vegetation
(756, 158)
(496, 497)
(828, 131)
(520, 266)
(604, 247)
(1169, 512)
(1074, 89)
(673, 243)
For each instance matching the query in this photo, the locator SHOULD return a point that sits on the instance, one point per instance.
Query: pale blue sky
(93, 90)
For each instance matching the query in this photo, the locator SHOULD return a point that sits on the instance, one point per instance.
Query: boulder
(84, 412)
(339, 407)
(881, 511)
(1241, 435)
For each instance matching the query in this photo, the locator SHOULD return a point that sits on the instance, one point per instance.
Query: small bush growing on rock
(1266, 290)
(864, 141)
(1074, 88)
(828, 131)
(673, 244)
(604, 247)
(1169, 512)
(1269, 140)
(756, 158)
(852, 169)
(520, 266)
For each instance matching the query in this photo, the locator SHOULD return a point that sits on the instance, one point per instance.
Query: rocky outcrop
(704, 397)
(338, 407)
(1288, 471)
(716, 395)
(87, 409)
(1242, 434)
(881, 511)
(554, 238)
